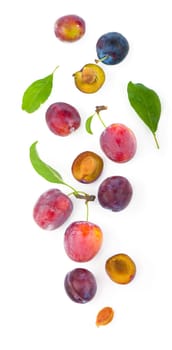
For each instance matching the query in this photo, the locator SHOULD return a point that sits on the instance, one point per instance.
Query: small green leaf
(88, 124)
(37, 93)
(42, 168)
(146, 104)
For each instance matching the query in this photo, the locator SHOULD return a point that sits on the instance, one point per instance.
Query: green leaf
(42, 168)
(88, 124)
(146, 104)
(37, 93)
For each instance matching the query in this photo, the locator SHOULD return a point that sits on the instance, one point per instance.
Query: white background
(35, 312)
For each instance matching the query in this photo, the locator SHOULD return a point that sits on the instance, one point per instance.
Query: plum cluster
(83, 239)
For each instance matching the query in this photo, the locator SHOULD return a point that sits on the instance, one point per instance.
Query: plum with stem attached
(82, 240)
(53, 207)
(117, 141)
(112, 48)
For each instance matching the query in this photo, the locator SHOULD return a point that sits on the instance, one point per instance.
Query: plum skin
(52, 209)
(115, 193)
(80, 285)
(112, 48)
(118, 142)
(82, 240)
(69, 28)
(62, 118)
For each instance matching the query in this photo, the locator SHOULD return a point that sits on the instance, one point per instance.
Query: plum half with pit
(69, 28)
(90, 78)
(112, 48)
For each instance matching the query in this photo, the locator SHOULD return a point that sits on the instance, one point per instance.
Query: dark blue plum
(113, 45)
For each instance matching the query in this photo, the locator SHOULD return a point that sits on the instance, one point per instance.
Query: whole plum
(80, 285)
(115, 193)
(118, 142)
(52, 209)
(69, 28)
(62, 118)
(82, 240)
(112, 48)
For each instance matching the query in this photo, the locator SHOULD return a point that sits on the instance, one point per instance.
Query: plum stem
(87, 210)
(86, 196)
(101, 59)
(156, 141)
(82, 195)
(74, 191)
(98, 110)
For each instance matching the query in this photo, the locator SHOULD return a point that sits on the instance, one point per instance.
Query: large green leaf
(42, 168)
(37, 93)
(146, 104)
